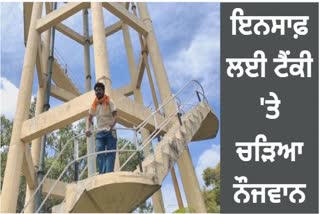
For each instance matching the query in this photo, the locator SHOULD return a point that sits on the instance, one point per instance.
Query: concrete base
(111, 192)
(208, 129)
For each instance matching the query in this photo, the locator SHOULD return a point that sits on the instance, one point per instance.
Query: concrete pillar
(190, 183)
(35, 152)
(36, 144)
(99, 46)
(31, 207)
(176, 187)
(188, 176)
(86, 50)
(100, 53)
(156, 60)
(145, 58)
(157, 200)
(45, 54)
(88, 87)
(144, 52)
(10, 188)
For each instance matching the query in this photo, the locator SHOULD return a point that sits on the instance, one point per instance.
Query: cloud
(9, 95)
(199, 60)
(209, 158)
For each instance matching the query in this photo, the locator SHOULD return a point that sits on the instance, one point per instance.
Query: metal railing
(157, 131)
(63, 64)
(169, 99)
(172, 115)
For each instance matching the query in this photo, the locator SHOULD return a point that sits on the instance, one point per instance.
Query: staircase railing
(170, 99)
(153, 135)
(64, 66)
(170, 117)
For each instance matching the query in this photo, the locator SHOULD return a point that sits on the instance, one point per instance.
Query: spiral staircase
(124, 191)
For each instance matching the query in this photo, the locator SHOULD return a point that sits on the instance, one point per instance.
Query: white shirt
(104, 115)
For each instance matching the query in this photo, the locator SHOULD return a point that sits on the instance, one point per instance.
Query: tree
(185, 210)
(211, 192)
(32, 109)
(145, 207)
(6, 129)
(123, 156)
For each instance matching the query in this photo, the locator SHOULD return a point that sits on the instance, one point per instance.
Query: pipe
(46, 107)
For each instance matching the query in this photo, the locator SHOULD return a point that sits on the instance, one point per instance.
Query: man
(105, 111)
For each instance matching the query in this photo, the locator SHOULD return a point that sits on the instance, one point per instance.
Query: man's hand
(88, 125)
(114, 120)
(88, 133)
(112, 126)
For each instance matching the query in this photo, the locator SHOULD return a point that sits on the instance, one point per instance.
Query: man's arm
(113, 109)
(114, 116)
(89, 124)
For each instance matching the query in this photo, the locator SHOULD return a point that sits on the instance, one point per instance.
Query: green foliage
(123, 156)
(6, 129)
(211, 193)
(145, 207)
(185, 210)
(207, 176)
(32, 109)
(211, 200)
(22, 193)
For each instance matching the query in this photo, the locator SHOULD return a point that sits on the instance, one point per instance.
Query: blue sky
(189, 39)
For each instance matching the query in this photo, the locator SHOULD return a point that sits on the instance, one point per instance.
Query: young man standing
(106, 139)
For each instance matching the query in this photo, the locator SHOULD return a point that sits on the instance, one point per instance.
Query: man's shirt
(104, 115)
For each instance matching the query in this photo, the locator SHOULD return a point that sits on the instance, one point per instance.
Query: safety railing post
(198, 95)
(76, 156)
(135, 139)
(179, 114)
(155, 121)
(91, 149)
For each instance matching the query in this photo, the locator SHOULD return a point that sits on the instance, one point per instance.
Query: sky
(188, 35)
